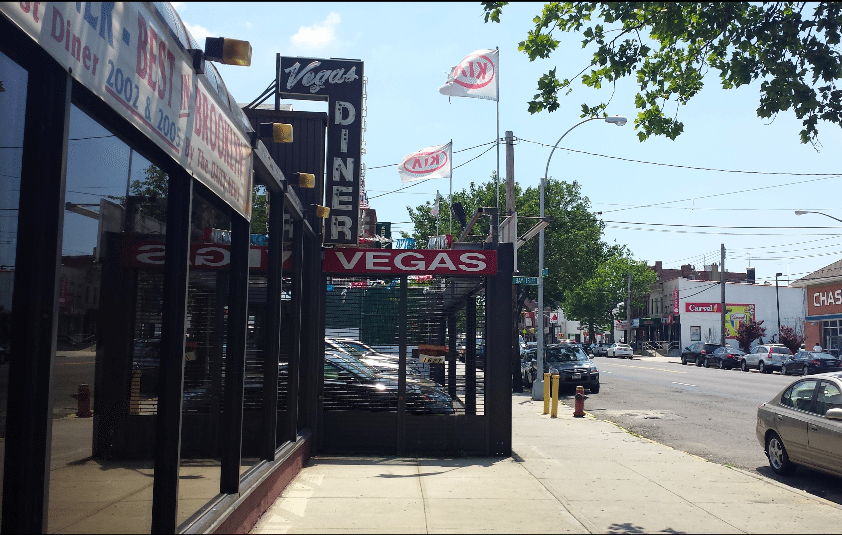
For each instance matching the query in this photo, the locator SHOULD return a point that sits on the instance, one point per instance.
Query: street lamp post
(802, 212)
(538, 384)
(778, 305)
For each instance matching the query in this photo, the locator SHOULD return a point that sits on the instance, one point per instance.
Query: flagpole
(497, 77)
(450, 200)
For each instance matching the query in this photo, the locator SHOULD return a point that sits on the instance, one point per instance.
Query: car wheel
(778, 458)
(595, 389)
(761, 367)
(784, 370)
(699, 362)
(721, 364)
(707, 363)
(744, 366)
(683, 361)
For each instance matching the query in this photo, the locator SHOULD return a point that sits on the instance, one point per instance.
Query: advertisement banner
(675, 309)
(126, 56)
(736, 315)
(703, 307)
(409, 262)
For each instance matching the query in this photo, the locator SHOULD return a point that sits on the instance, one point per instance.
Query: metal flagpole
(450, 200)
(497, 181)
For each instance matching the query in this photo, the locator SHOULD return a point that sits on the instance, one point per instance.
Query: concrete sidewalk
(567, 475)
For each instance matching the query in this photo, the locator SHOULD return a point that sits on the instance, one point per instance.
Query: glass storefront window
(12, 110)
(109, 320)
(205, 356)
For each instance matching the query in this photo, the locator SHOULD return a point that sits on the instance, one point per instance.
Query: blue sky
(642, 189)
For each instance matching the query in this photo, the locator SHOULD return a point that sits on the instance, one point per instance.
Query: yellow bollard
(546, 393)
(556, 380)
(134, 398)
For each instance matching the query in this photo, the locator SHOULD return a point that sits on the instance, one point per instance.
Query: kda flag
(475, 76)
(431, 162)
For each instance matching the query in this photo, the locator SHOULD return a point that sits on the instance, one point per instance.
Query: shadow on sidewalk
(813, 482)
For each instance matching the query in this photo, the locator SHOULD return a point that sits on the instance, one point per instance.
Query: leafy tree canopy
(573, 245)
(748, 332)
(593, 301)
(791, 47)
(790, 338)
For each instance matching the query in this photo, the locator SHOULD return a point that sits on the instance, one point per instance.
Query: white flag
(475, 76)
(435, 210)
(431, 162)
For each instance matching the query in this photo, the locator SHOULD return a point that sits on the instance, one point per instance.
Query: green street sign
(524, 280)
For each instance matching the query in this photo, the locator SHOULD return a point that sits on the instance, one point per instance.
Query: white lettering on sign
(827, 298)
(316, 81)
(445, 262)
(151, 254)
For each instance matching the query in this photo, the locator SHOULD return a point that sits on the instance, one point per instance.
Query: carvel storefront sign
(410, 262)
(341, 81)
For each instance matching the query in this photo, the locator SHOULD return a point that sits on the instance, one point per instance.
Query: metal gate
(416, 363)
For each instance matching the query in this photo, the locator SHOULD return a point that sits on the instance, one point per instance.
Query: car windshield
(356, 368)
(823, 356)
(781, 350)
(565, 354)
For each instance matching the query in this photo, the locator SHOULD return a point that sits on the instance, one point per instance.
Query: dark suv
(697, 352)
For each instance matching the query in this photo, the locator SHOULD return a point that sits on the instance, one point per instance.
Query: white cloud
(317, 35)
(199, 32)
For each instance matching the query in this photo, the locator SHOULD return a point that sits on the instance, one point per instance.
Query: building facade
(823, 302)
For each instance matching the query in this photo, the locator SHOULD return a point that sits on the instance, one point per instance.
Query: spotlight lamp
(228, 51)
(306, 180)
(279, 132)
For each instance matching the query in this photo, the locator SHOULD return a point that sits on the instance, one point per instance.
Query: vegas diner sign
(410, 262)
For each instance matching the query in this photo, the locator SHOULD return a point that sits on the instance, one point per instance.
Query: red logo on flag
(474, 72)
(425, 162)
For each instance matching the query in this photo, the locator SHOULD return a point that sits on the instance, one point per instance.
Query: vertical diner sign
(341, 81)
(123, 53)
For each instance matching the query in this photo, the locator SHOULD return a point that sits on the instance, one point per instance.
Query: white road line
(647, 368)
(684, 384)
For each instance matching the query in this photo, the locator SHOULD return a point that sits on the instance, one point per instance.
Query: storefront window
(13, 82)
(830, 335)
(109, 317)
(204, 357)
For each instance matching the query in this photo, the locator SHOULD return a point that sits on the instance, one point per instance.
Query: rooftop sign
(409, 262)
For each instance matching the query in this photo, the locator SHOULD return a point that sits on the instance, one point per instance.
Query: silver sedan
(802, 425)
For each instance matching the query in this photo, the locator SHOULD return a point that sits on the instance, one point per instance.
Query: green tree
(593, 301)
(791, 47)
(573, 247)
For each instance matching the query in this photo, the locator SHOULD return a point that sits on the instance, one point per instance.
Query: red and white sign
(203, 256)
(475, 76)
(554, 318)
(410, 262)
(703, 307)
(126, 55)
(675, 301)
(430, 162)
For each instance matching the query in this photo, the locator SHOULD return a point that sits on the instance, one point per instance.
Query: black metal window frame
(50, 92)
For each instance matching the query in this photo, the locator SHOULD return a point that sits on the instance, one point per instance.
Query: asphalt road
(708, 412)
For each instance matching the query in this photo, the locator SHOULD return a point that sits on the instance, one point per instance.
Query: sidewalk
(567, 475)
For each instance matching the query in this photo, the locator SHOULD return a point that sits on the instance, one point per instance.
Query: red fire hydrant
(83, 401)
(579, 406)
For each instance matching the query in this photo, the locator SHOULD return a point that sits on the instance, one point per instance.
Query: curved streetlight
(802, 212)
(538, 384)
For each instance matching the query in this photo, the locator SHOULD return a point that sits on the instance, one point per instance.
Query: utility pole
(628, 312)
(517, 382)
(722, 292)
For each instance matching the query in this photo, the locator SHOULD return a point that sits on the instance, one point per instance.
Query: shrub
(790, 338)
(748, 332)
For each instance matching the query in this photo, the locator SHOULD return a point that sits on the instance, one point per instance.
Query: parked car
(528, 368)
(571, 363)
(480, 349)
(620, 350)
(385, 364)
(601, 350)
(766, 358)
(697, 352)
(725, 358)
(802, 425)
(810, 362)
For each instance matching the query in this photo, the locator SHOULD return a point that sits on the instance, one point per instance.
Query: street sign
(524, 280)
(554, 318)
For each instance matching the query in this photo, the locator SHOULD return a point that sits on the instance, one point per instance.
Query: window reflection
(12, 110)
